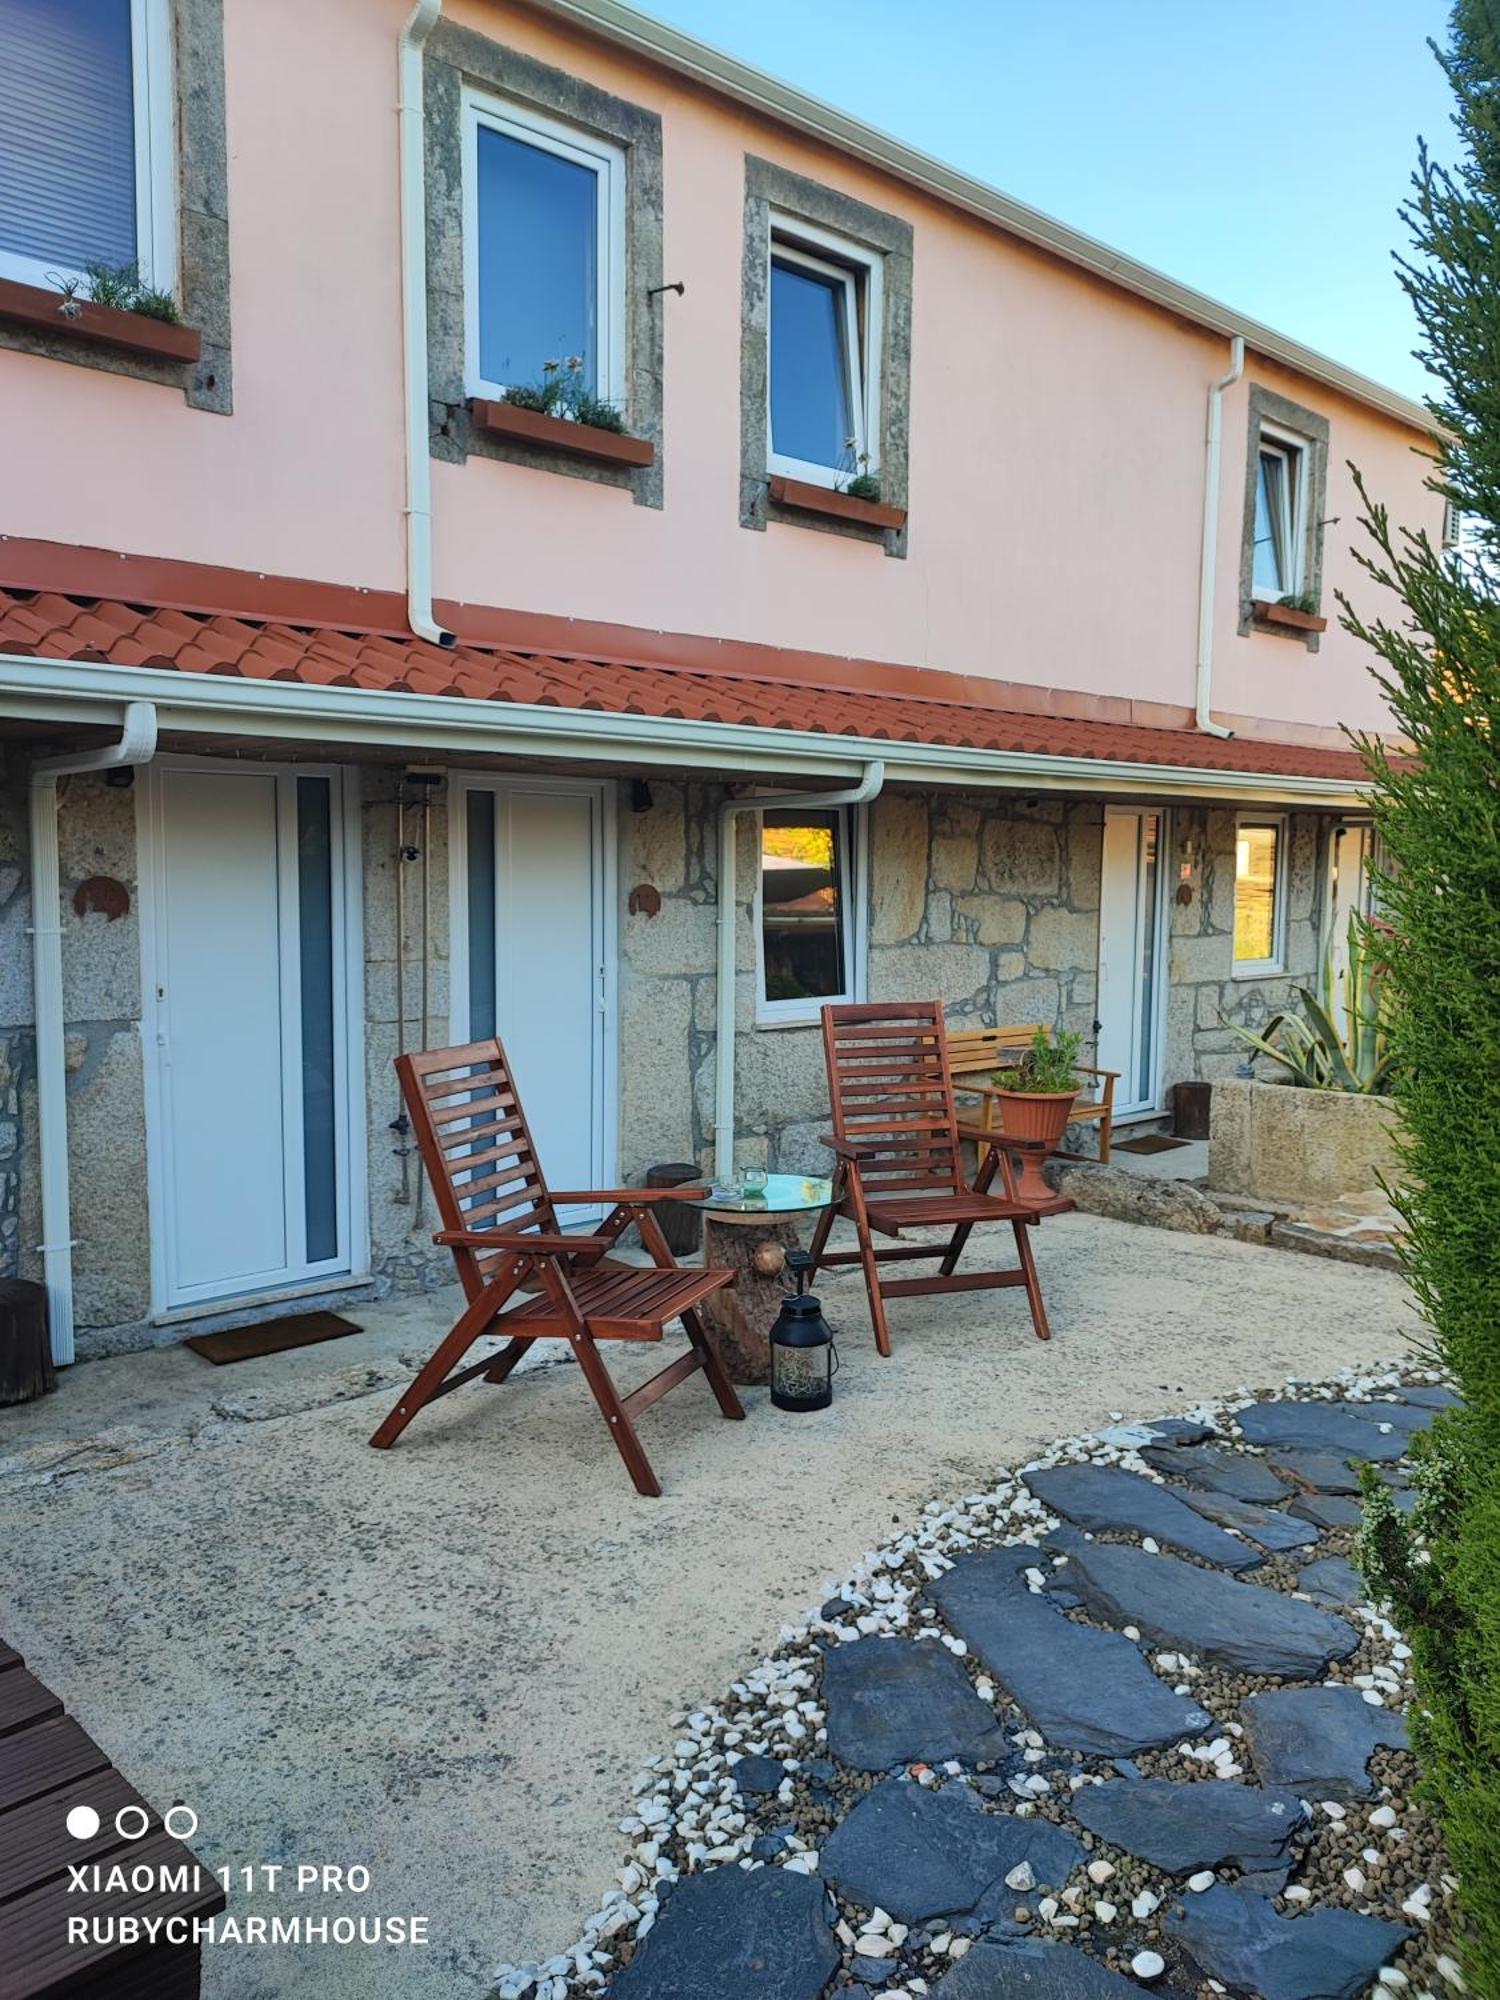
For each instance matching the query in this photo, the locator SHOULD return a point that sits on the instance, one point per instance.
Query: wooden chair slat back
(477, 1148)
(888, 1081)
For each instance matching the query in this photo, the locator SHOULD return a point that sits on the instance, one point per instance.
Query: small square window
(805, 937)
(1259, 895)
(544, 256)
(86, 140)
(1280, 517)
(824, 347)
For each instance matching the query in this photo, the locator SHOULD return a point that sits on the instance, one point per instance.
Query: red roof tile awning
(50, 625)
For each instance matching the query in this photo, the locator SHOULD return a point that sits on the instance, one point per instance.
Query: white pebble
(1131, 1631)
(1144, 1904)
(1148, 1965)
(870, 1944)
(1047, 1907)
(1392, 1976)
(1374, 1697)
(1296, 1893)
(1105, 1912)
(1449, 1969)
(1334, 1811)
(1383, 1816)
(1100, 1871)
(1355, 1877)
(1204, 1879)
(1021, 1878)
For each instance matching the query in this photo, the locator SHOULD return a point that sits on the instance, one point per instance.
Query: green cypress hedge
(1439, 823)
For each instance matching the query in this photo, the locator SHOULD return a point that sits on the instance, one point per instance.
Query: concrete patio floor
(447, 1662)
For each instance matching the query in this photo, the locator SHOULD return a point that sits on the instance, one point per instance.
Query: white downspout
(419, 613)
(137, 745)
(725, 974)
(1209, 560)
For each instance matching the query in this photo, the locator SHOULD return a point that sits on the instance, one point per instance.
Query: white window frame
(155, 124)
(1296, 455)
(1265, 968)
(859, 270)
(851, 849)
(481, 110)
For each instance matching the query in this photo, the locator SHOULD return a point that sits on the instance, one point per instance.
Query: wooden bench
(48, 1765)
(978, 1052)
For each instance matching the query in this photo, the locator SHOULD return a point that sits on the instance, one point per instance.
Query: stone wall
(1283, 1144)
(990, 902)
(1202, 986)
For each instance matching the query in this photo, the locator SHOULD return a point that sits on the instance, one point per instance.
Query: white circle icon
(83, 1822)
(132, 1813)
(180, 1832)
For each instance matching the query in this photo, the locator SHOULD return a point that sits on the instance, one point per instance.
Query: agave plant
(1340, 1040)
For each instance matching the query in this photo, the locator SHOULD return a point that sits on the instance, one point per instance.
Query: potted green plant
(1033, 1097)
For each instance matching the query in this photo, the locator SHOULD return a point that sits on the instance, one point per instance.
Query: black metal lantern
(803, 1357)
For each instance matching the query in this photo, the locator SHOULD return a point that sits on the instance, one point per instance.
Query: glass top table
(784, 1194)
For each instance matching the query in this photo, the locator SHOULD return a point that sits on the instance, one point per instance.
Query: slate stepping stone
(1331, 1580)
(1182, 1828)
(1032, 1970)
(1214, 1470)
(1084, 1690)
(1179, 1430)
(1237, 1625)
(1102, 1498)
(904, 1701)
(1264, 1525)
(735, 1934)
(1318, 1741)
(1323, 1471)
(1326, 1510)
(760, 1775)
(1407, 1417)
(1432, 1396)
(920, 1853)
(1319, 1427)
(1238, 1939)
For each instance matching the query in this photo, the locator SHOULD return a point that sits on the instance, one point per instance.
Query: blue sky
(1256, 152)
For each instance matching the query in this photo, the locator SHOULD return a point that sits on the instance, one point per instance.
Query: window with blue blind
(85, 139)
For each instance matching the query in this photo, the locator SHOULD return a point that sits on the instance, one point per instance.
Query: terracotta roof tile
(53, 626)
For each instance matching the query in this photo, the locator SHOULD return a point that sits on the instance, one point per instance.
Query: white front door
(244, 1018)
(531, 959)
(1132, 971)
(1351, 849)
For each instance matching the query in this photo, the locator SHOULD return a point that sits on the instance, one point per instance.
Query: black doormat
(1153, 1142)
(270, 1336)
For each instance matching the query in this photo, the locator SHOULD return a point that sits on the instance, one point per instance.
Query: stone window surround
(771, 187)
(202, 229)
(1266, 407)
(456, 56)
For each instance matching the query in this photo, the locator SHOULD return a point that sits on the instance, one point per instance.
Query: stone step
(1104, 1499)
(1181, 1828)
(904, 1701)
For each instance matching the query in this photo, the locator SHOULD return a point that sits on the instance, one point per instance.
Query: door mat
(270, 1336)
(1153, 1142)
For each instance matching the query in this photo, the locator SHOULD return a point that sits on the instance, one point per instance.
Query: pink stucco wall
(1056, 423)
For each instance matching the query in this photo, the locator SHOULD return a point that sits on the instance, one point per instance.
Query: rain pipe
(1209, 554)
(724, 981)
(419, 612)
(137, 745)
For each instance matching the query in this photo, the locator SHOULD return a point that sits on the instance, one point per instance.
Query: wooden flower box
(522, 426)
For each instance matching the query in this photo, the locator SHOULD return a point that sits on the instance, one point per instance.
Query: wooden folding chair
(896, 1142)
(500, 1221)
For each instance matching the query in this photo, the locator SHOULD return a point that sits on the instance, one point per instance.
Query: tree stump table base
(26, 1370)
(751, 1238)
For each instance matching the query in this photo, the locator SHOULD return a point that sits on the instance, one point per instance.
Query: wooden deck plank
(35, 1844)
(36, 1957)
(40, 1760)
(24, 1701)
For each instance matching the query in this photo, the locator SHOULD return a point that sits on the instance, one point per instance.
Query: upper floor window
(806, 938)
(825, 316)
(1259, 895)
(86, 141)
(1280, 515)
(544, 251)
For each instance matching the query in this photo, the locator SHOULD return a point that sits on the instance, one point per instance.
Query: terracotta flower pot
(1040, 1118)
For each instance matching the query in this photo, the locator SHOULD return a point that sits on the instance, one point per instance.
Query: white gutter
(137, 745)
(725, 971)
(770, 97)
(409, 107)
(1209, 553)
(61, 691)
